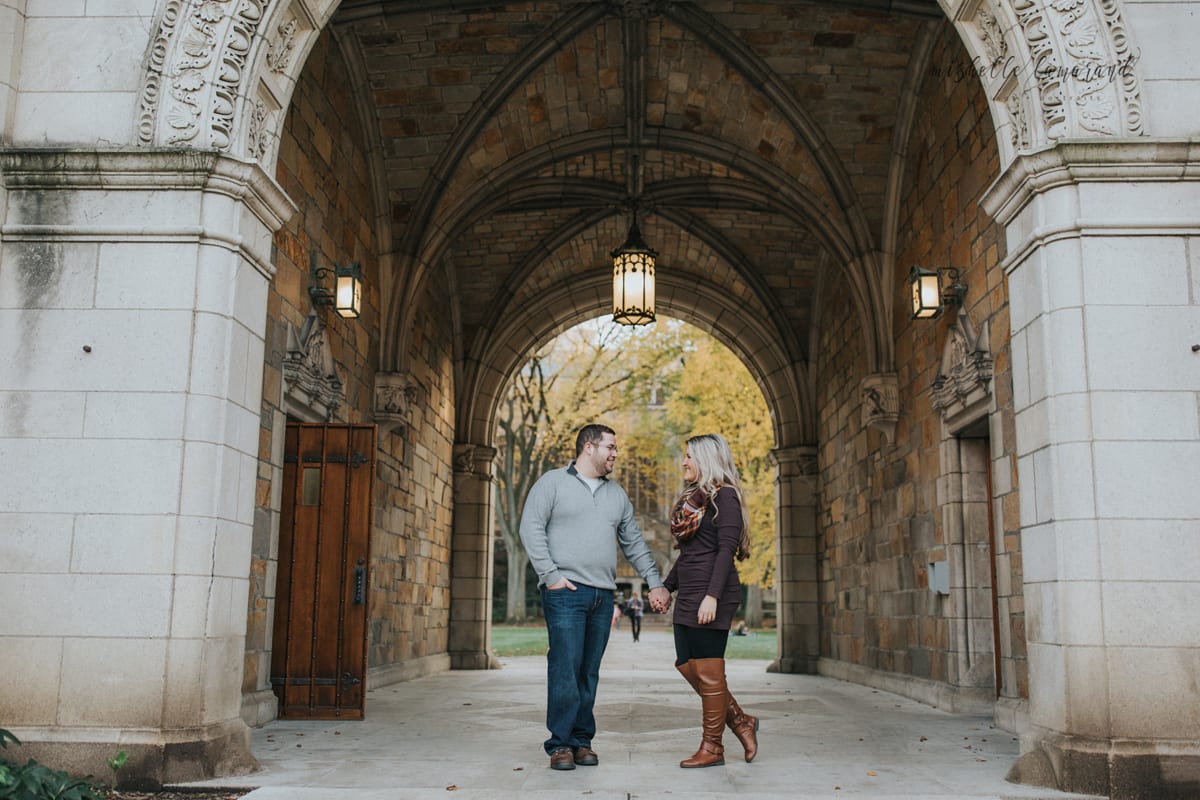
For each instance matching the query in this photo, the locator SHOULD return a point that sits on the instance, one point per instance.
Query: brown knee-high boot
(714, 701)
(744, 726)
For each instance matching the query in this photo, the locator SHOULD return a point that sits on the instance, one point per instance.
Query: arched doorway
(779, 178)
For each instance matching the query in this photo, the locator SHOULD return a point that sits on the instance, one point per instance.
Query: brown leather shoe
(586, 757)
(562, 759)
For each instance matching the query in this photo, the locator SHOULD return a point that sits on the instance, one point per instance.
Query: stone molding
(310, 378)
(1079, 161)
(218, 71)
(53, 169)
(397, 396)
(880, 398)
(962, 390)
(474, 459)
(1054, 70)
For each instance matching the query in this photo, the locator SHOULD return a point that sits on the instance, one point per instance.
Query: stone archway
(217, 78)
(538, 324)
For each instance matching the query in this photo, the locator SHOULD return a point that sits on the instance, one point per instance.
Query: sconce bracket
(953, 293)
(319, 293)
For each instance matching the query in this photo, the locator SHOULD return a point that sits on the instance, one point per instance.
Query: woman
(710, 528)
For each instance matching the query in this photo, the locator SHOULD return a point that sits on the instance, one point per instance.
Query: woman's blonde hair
(714, 467)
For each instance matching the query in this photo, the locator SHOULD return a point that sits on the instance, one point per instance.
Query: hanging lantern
(633, 280)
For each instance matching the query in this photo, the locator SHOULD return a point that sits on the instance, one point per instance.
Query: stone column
(797, 610)
(133, 293)
(471, 561)
(1104, 293)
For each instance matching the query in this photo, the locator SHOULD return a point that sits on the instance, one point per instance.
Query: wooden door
(319, 653)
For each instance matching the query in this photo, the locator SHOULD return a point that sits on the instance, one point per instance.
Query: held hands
(660, 599)
(708, 610)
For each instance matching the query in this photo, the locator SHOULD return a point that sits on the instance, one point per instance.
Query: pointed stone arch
(1032, 55)
(219, 73)
(752, 340)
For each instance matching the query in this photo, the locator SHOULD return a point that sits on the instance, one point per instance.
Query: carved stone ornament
(259, 121)
(279, 49)
(1083, 67)
(962, 390)
(992, 36)
(474, 459)
(880, 403)
(397, 398)
(197, 72)
(1019, 132)
(310, 378)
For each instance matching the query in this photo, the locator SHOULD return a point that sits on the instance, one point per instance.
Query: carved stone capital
(474, 459)
(397, 399)
(962, 390)
(880, 403)
(795, 462)
(310, 379)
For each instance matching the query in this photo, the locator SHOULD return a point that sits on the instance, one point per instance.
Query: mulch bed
(178, 794)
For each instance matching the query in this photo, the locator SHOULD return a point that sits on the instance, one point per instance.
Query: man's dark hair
(590, 433)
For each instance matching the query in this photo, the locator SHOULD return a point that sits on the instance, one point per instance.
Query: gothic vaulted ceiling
(755, 138)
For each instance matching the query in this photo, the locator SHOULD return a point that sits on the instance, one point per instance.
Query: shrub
(35, 781)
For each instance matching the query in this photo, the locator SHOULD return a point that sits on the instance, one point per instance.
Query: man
(574, 518)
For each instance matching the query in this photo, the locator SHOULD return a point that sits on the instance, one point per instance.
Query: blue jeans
(578, 623)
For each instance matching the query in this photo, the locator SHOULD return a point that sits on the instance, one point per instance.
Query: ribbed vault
(756, 140)
(747, 119)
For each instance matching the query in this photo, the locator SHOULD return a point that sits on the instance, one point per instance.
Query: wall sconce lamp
(346, 294)
(929, 297)
(633, 279)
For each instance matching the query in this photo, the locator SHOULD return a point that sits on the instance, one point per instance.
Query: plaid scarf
(686, 516)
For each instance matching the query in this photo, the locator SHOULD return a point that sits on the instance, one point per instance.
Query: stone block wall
(886, 506)
(324, 167)
(410, 577)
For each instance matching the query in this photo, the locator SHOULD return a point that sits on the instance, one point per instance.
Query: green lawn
(519, 640)
(530, 640)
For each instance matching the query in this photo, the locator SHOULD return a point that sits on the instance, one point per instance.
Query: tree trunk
(515, 609)
(752, 611)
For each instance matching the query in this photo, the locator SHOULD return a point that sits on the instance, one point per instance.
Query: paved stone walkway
(478, 735)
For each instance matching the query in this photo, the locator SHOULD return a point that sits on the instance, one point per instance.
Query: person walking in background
(574, 519)
(634, 611)
(710, 528)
